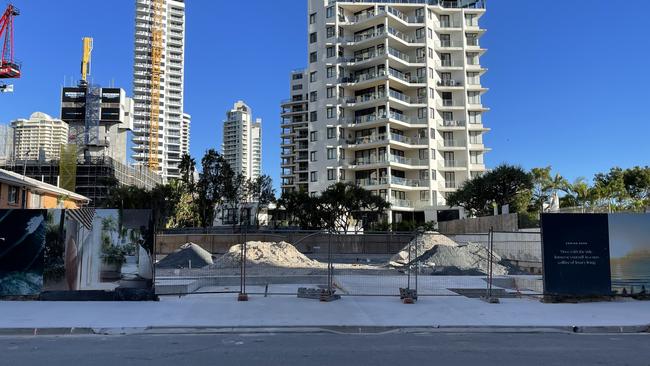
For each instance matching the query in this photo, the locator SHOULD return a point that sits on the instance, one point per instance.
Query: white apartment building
(242, 141)
(391, 101)
(6, 143)
(39, 138)
(171, 91)
(185, 134)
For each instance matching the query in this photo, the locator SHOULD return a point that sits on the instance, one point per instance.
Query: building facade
(6, 143)
(17, 191)
(171, 91)
(185, 134)
(242, 141)
(39, 138)
(391, 101)
(98, 119)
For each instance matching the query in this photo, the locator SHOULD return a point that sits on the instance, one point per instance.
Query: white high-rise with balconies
(242, 141)
(391, 101)
(170, 145)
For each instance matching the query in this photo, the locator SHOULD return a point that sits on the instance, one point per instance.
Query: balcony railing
(449, 44)
(452, 124)
(449, 103)
(364, 36)
(476, 4)
(406, 119)
(453, 164)
(449, 63)
(449, 82)
(409, 182)
(405, 98)
(367, 139)
(408, 140)
(404, 57)
(404, 17)
(452, 143)
(362, 58)
(409, 79)
(450, 25)
(403, 37)
(371, 182)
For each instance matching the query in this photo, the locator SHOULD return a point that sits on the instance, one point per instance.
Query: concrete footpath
(222, 313)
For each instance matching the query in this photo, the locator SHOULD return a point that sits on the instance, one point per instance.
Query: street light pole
(24, 198)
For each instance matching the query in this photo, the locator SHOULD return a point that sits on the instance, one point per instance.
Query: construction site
(99, 120)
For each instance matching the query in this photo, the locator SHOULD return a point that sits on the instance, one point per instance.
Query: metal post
(329, 263)
(242, 284)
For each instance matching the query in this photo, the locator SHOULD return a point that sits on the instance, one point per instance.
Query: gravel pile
(429, 240)
(268, 254)
(189, 255)
(471, 259)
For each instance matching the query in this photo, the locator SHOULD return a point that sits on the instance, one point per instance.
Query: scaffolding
(68, 167)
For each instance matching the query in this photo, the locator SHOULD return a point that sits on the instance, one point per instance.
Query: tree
(261, 191)
(187, 167)
(345, 205)
(235, 194)
(609, 189)
(301, 209)
(505, 185)
(210, 187)
(637, 185)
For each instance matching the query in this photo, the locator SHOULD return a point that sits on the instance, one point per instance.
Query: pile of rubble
(189, 255)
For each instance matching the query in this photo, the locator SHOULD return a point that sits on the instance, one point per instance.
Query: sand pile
(189, 255)
(268, 254)
(429, 240)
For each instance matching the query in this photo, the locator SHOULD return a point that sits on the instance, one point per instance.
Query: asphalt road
(328, 349)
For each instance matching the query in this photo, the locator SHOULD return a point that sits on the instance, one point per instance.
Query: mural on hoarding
(89, 249)
(629, 246)
(22, 247)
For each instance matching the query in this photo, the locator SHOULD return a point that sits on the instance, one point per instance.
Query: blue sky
(568, 81)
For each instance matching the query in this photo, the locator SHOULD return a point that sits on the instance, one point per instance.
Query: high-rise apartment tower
(242, 141)
(171, 86)
(390, 101)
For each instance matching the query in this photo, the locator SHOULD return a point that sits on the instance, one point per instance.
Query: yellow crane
(156, 59)
(85, 59)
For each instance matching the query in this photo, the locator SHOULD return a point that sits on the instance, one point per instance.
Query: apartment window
(331, 153)
(330, 92)
(475, 157)
(12, 197)
(433, 154)
(475, 137)
(431, 93)
(313, 136)
(430, 52)
(423, 154)
(330, 112)
(475, 118)
(424, 195)
(313, 96)
(430, 33)
(313, 116)
(331, 51)
(432, 112)
(329, 12)
(313, 76)
(419, 33)
(313, 37)
(313, 176)
(312, 18)
(474, 97)
(422, 113)
(434, 174)
(312, 156)
(472, 58)
(331, 174)
(470, 20)
(342, 174)
(297, 87)
(431, 73)
(313, 57)
(331, 132)
(450, 180)
(473, 78)
(296, 76)
(330, 31)
(331, 71)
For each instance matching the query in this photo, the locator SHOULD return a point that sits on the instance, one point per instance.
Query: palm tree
(581, 191)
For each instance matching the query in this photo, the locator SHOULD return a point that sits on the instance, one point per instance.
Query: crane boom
(156, 59)
(86, 57)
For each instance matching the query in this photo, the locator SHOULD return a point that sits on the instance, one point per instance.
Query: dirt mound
(471, 259)
(429, 240)
(268, 254)
(188, 255)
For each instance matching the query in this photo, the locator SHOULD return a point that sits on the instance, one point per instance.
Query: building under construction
(94, 177)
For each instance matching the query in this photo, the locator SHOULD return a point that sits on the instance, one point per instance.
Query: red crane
(9, 68)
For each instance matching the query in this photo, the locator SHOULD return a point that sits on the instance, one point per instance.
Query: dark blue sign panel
(576, 254)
